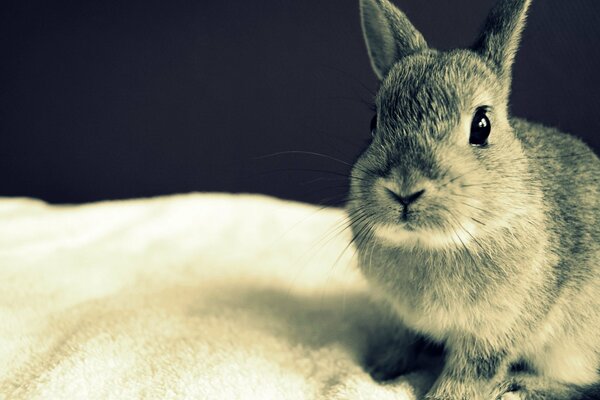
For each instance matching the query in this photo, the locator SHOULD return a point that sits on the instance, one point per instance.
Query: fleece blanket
(199, 296)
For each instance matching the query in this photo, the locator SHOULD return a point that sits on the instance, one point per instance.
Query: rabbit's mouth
(407, 234)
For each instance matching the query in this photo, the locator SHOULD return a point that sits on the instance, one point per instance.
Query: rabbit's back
(569, 174)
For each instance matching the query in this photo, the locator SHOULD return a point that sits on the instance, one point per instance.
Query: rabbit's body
(436, 292)
(491, 247)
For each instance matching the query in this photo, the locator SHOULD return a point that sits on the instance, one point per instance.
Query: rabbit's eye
(480, 128)
(373, 125)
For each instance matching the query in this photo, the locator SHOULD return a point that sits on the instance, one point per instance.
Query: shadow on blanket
(274, 341)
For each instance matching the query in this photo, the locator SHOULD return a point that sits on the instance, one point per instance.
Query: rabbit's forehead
(432, 90)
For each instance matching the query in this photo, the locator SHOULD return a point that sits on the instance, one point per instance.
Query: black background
(118, 99)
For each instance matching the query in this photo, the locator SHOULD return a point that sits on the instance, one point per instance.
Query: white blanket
(200, 296)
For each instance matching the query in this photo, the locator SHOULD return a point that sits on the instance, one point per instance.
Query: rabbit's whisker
(308, 153)
(487, 212)
(467, 232)
(463, 244)
(458, 177)
(358, 235)
(274, 171)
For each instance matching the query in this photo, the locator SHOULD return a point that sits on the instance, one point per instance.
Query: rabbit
(479, 231)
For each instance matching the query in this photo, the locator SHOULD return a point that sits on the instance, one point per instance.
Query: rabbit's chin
(427, 238)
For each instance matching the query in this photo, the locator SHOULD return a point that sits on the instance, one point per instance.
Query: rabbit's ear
(388, 33)
(501, 34)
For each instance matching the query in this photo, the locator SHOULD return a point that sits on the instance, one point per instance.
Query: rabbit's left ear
(499, 40)
(389, 35)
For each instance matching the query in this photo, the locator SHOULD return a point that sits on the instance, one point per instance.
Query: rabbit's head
(444, 166)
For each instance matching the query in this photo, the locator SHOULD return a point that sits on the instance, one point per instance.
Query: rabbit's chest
(442, 320)
(434, 296)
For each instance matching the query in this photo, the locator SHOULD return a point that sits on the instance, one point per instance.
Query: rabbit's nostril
(406, 200)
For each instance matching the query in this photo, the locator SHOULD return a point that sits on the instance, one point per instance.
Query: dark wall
(116, 99)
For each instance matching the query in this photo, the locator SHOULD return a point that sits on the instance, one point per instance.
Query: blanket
(197, 296)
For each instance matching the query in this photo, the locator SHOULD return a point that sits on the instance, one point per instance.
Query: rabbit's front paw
(455, 389)
(389, 364)
(386, 367)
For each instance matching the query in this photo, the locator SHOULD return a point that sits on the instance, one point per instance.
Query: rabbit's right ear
(501, 34)
(389, 34)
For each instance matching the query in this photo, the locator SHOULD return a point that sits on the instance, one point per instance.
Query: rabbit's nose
(405, 200)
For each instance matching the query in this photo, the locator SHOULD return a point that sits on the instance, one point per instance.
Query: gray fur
(499, 259)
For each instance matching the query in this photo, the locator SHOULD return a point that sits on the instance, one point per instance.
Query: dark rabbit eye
(373, 125)
(480, 128)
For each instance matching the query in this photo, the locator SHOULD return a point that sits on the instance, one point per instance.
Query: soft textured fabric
(200, 296)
